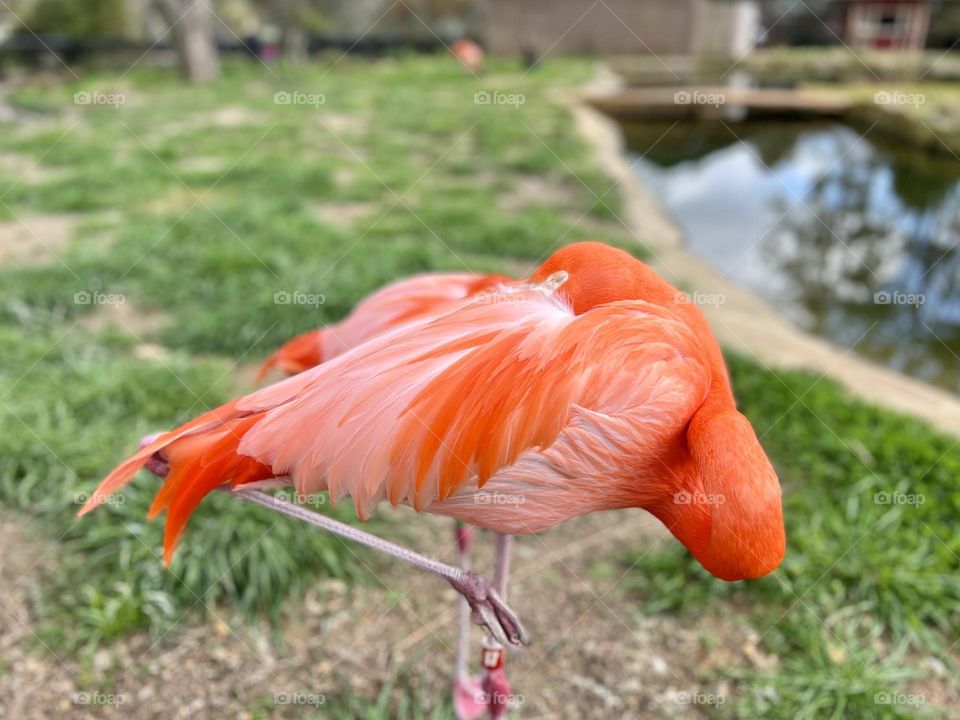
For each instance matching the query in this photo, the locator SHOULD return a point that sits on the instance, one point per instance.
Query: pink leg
(501, 570)
(489, 610)
(469, 702)
(496, 688)
(464, 536)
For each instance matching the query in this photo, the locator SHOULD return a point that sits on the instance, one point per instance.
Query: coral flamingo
(393, 305)
(469, 54)
(595, 385)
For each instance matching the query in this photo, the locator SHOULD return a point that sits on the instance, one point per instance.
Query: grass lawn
(185, 212)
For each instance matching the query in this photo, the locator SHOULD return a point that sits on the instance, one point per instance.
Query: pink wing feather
(397, 303)
(414, 414)
(438, 407)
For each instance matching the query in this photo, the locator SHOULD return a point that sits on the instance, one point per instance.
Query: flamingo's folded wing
(413, 414)
(416, 412)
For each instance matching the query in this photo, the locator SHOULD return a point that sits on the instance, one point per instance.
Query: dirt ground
(595, 654)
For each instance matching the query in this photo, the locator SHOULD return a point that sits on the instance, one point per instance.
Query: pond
(853, 238)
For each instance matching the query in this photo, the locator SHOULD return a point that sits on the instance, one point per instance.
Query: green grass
(865, 584)
(195, 206)
(201, 248)
(76, 408)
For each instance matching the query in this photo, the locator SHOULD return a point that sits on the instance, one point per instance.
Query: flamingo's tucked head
(718, 493)
(598, 274)
(727, 508)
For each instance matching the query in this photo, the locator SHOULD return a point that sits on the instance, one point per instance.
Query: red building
(887, 24)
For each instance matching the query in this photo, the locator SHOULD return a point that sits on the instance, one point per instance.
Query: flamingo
(592, 385)
(470, 55)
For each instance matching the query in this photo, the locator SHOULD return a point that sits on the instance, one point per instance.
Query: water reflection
(853, 238)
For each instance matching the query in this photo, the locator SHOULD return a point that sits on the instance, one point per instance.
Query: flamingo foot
(488, 610)
(496, 691)
(469, 702)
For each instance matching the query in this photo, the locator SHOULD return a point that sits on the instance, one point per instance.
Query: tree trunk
(295, 44)
(192, 23)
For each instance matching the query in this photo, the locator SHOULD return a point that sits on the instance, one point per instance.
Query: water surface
(853, 238)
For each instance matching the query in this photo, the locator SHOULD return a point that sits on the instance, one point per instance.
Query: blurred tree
(77, 18)
(944, 25)
(192, 23)
(812, 22)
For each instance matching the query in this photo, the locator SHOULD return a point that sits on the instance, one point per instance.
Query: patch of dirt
(203, 164)
(530, 190)
(595, 653)
(229, 116)
(344, 177)
(151, 352)
(586, 223)
(343, 214)
(343, 123)
(181, 200)
(35, 239)
(23, 168)
(116, 311)
(937, 689)
(124, 316)
(33, 679)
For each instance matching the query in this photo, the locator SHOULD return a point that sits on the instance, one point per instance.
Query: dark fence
(37, 49)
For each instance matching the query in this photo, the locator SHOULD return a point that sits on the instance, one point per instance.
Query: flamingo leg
(469, 701)
(501, 569)
(496, 687)
(488, 610)
(464, 537)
